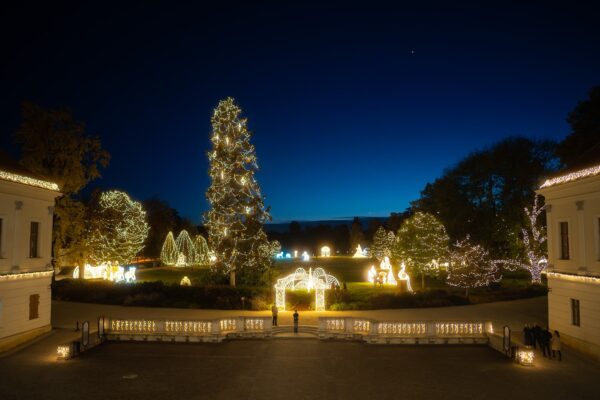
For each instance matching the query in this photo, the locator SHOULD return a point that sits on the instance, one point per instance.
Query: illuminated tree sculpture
(185, 248)
(421, 239)
(168, 254)
(471, 266)
(382, 244)
(202, 252)
(237, 211)
(117, 230)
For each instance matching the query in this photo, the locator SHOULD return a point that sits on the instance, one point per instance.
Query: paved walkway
(513, 313)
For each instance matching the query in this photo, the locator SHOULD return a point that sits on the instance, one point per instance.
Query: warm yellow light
(525, 356)
(325, 251)
(26, 180)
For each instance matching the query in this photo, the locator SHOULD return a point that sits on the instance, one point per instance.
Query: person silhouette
(296, 316)
(274, 311)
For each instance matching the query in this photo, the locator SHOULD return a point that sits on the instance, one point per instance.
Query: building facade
(573, 223)
(26, 214)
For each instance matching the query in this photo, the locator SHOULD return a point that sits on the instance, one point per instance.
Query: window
(575, 312)
(34, 306)
(33, 239)
(564, 240)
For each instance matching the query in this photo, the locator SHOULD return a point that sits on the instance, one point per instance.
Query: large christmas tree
(237, 214)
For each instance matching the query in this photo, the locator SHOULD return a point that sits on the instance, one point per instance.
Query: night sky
(353, 109)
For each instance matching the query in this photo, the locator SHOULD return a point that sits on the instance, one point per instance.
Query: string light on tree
(169, 254)
(534, 239)
(237, 212)
(185, 247)
(383, 242)
(471, 266)
(202, 252)
(118, 229)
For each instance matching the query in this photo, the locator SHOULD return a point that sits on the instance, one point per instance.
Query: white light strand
(26, 180)
(573, 176)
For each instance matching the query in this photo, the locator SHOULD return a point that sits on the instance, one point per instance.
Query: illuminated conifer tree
(382, 243)
(237, 212)
(168, 254)
(202, 252)
(186, 247)
(421, 239)
(117, 229)
(471, 266)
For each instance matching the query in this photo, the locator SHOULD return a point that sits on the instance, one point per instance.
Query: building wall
(577, 203)
(586, 336)
(14, 300)
(21, 275)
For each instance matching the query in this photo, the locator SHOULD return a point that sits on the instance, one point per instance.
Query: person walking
(556, 345)
(274, 311)
(537, 336)
(296, 316)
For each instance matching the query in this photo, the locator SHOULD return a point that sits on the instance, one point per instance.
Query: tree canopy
(581, 147)
(484, 194)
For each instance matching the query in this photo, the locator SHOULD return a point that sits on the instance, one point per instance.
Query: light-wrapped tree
(202, 252)
(168, 254)
(471, 266)
(117, 228)
(237, 212)
(185, 248)
(421, 239)
(382, 245)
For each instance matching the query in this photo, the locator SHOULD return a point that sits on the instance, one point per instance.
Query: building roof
(572, 176)
(11, 170)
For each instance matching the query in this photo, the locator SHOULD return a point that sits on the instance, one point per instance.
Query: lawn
(171, 274)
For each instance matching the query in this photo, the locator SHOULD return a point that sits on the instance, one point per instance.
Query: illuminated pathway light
(319, 281)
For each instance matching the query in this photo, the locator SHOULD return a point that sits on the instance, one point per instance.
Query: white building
(573, 221)
(26, 211)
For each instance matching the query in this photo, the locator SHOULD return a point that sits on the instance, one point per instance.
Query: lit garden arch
(300, 279)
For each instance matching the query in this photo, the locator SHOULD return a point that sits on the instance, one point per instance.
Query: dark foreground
(288, 369)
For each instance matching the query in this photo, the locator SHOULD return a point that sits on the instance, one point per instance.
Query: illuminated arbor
(421, 239)
(168, 254)
(237, 211)
(117, 229)
(471, 266)
(186, 251)
(202, 252)
(318, 281)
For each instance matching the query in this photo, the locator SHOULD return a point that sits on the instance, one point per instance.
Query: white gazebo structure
(300, 279)
(325, 251)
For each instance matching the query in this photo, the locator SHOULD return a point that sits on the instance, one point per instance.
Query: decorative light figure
(325, 251)
(359, 253)
(185, 281)
(295, 253)
(372, 274)
(403, 276)
(387, 266)
(168, 254)
(305, 256)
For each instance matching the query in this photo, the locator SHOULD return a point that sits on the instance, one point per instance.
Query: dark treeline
(341, 238)
(484, 194)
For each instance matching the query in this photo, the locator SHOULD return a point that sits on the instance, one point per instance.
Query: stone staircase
(287, 331)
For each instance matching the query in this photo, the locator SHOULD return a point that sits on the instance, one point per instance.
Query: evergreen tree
(202, 252)
(185, 247)
(420, 240)
(168, 254)
(237, 212)
(471, 266)
(382, 243)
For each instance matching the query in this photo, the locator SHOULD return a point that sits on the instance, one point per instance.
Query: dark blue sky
(354, 109)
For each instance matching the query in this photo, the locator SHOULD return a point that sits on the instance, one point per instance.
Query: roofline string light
(573, 176)
(26, 180)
